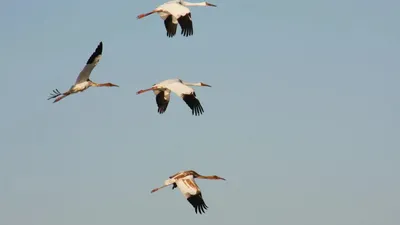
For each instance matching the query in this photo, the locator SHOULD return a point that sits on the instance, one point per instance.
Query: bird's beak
(222, 178)
(114, 85)
(203, 84)
(209, 4)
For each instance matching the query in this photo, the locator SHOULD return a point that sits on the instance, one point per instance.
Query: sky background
(302, 117)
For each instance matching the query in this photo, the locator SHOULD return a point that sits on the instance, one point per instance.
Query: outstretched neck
(194, 3)
(192, 84)
(207, 177)
(93, 84)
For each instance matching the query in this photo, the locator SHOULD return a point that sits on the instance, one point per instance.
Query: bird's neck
(194, 3)
(206, 177)
(191, 84)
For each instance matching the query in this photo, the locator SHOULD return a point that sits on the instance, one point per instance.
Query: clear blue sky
(302, 118)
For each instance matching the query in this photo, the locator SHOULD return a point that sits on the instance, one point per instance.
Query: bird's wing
(186, 24)
(178, 88)
(181, 14)
(175, 9)
(172, 176)
(187, 94)
(193, 103)
(162, 99)
(170, 26)
(90, 64)
(192, 192)
(187, 185)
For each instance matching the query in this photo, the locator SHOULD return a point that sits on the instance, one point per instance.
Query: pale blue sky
(302, 118)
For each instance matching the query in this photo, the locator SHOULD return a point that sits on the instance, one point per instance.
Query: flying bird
(174, 12)
(163, 89)
(83, 82)
(184, 180)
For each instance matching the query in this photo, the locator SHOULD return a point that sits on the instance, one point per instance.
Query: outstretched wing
(198, 203)
(162, 99)
(90, 64)
(170, 25)
(187, 94)
(192, 192)
(186, 24)
(193, 103)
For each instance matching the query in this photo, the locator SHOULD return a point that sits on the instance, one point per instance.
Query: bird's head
(209, 4)
(113, 85)
(217, 177)
(204, 85)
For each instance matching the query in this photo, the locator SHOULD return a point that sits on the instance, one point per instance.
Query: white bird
(174, 12)
(163, 89)
(184, 180)
(83, 82)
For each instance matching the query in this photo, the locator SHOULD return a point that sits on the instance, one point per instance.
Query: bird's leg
(147, 14)
(148, 89)
(156, 189)
(61, 97)
(57, 93)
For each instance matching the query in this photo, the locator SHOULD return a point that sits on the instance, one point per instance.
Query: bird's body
(79, 87)
(176, 12)
(82, 81)
(163, 91)
(185, 181)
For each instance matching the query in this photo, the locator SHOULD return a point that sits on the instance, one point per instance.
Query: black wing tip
(201, 209)
(96, 53)
(198, 203)
(187, 33)
(99, 49)
(161, 102)
(194, 104)
(161, 110)
(186, 25)
(198, 110)
(170, 27)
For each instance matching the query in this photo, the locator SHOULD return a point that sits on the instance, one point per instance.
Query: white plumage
(174, 8)
(176, 12)
(188, 186)
(91, 64)
(163, 90)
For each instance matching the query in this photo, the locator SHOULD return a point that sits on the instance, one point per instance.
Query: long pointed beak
(209, 4)
(206, 85)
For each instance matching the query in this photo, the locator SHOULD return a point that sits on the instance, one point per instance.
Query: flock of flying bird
(172, 12)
